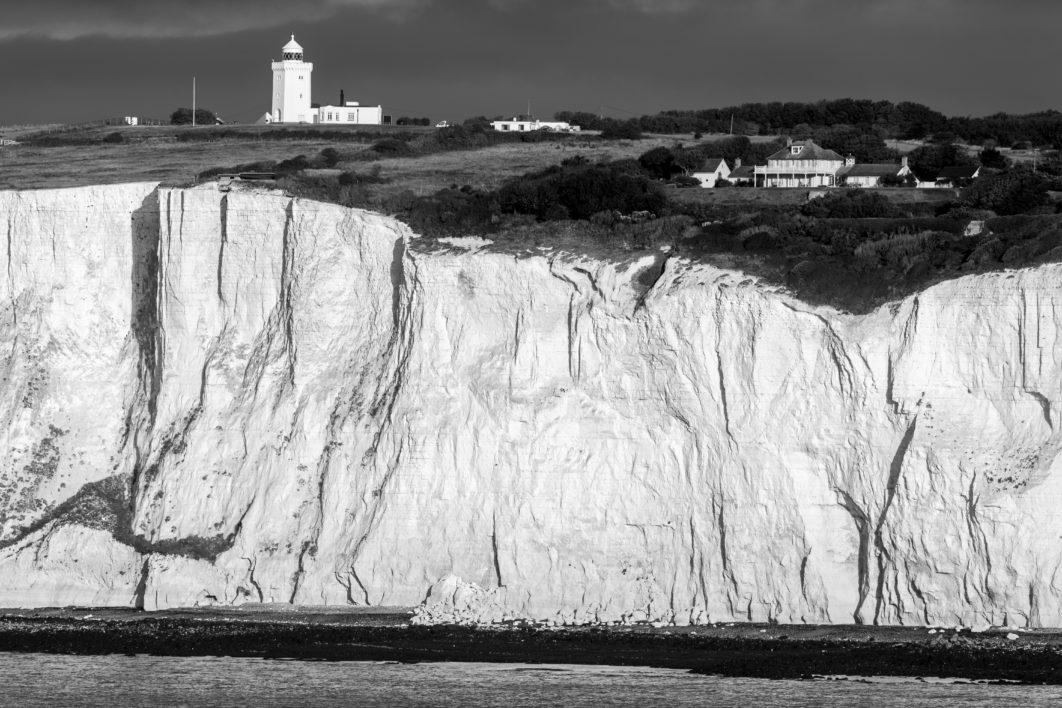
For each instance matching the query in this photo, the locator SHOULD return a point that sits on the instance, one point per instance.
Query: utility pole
(193, 101)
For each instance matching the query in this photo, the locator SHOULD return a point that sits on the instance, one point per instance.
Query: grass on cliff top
(165, 154)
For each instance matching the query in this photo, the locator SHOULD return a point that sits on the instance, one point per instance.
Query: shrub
(853, 203)
(1013, 192)
(292, 165)
(683, 181)
(582, 190)
(330, 157)
(114, 138)
(392, 147)
(621, 130)
(371, 177)
(659, 163)
(183, 116)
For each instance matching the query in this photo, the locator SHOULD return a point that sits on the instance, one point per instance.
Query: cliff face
(232, 398)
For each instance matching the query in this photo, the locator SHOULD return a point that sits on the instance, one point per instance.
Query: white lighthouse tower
(291, 87)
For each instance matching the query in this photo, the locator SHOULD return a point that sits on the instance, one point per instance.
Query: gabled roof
(810, 151)
(712, 164)
(743, 172)
(959, 172)
(871, 170)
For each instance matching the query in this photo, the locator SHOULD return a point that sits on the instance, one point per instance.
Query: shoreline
(736, 650)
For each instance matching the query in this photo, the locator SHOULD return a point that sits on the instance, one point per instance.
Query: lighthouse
(291, 87)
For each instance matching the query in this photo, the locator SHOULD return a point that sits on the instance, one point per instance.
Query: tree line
(904, 120)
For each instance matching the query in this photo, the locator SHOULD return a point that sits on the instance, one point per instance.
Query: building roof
(959, 172)
(871, 170)
(292, 46)
(811, 151)
(743, 172)
(712, 164)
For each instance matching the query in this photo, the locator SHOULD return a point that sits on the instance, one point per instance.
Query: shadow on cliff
(108, 504)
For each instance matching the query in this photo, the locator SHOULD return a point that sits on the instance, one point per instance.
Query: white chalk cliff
(247, 398)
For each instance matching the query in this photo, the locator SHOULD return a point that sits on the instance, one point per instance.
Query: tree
(621, 130)
(992, 158)
(660, 163)
(183, 116)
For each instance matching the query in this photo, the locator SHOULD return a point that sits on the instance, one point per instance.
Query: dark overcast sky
(73, 60)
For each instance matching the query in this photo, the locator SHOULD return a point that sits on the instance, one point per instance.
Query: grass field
(154, 153)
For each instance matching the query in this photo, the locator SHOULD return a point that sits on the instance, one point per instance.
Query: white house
(525, 124)
(292, 90)
(350, 113)
(800, 164)
(714, 170)
(871, 174)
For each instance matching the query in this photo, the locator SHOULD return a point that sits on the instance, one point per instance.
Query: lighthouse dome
(292, 50)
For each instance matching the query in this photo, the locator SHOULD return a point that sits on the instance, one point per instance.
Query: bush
(582, 190)
(292, 165)
(851, 204)
(371, 177)
(1014, 192)
(659, 163)
(113, 138)
(683, 181)
(621, 130)
(330, 157)
(183, 116)
(392, 147)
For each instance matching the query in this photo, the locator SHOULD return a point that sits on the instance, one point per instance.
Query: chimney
(737, 162)
(849, 160)
(903, 161)
(788, 141)
(342, 98)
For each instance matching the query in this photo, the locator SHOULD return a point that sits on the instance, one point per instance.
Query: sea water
(60, 680)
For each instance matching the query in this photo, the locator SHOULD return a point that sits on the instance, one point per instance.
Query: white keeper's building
(292, 79)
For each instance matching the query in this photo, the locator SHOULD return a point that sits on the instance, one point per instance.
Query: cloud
(142, 19)
(73, 19)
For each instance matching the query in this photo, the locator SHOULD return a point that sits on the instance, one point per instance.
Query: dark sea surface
(116, 680)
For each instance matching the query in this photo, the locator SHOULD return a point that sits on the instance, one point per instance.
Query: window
(796, 149)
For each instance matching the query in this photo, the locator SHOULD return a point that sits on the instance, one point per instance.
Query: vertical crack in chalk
(895, 470)
(221, 247)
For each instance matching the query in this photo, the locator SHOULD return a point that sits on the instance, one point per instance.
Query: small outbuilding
(741, 175)
(714, 170)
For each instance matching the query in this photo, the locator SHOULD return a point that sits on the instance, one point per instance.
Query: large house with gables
(800, 164)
